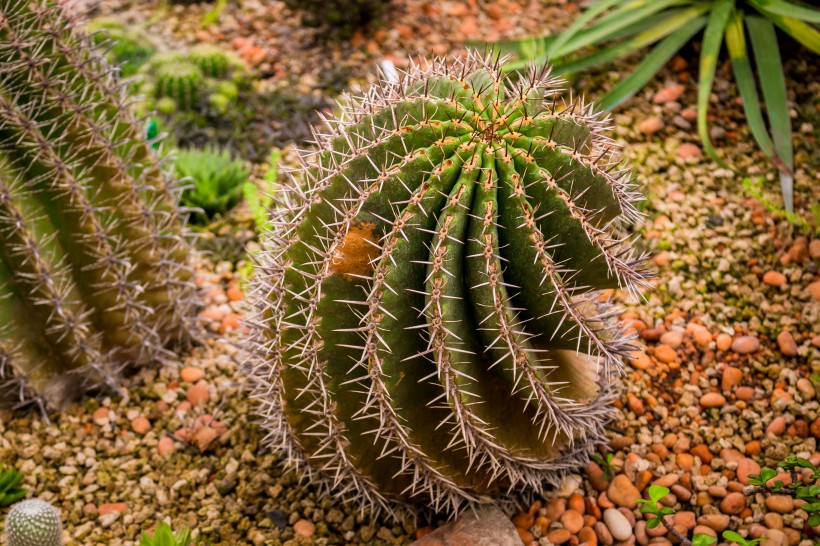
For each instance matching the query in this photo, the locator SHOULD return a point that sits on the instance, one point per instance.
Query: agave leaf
(657, 30)
(653, 62)
(788, 9)
(712, 38)
(797, 29)
(773, 85)
(588, 15)
(614, 22)
(736, 44)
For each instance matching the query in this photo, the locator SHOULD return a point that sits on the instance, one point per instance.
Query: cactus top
(429, 305)
(33, 523)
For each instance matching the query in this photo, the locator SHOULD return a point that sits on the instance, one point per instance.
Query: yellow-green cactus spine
(430, 327)
(94, 265)
(33, 523)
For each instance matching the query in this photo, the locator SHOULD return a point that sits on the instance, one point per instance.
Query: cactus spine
(33, 523)
(430, 327)
(94, 268)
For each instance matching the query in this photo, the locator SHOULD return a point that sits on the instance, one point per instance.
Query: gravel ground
(731, 333)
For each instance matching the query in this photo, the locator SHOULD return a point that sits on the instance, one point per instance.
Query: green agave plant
(616, 28)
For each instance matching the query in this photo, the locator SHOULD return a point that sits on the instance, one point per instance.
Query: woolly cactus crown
(33, 523)
(430, 327)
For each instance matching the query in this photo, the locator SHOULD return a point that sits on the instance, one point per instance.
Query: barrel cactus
(33, 523)
(430, 326)
(181, 81)
(94, 263)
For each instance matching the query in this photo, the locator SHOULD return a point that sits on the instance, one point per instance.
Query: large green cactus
(430, 324)
(94, 268)
(33, 523)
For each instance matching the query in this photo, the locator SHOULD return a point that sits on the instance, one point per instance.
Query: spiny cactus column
(33, 523)
(430, 327)
(93, 261)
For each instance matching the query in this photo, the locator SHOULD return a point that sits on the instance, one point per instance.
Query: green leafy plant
(164, 536)
(33, 523)
(616, 28)
(657, 514)
(10, 490)
(217, 181)
(93, 249)
(810, 494)
(432, 275)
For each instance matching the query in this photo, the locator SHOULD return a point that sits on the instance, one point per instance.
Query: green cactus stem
(94, 264)
(430, 325)
(33, 523)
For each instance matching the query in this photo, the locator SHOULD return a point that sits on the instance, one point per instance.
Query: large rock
(488, 527)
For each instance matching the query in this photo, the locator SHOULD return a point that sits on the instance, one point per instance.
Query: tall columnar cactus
(430, 327)
(33, 523)
(94, 268)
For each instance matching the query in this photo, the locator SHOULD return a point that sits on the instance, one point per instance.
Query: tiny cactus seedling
(33, 523)
(430, 325)
(94, 262)
(164, 536)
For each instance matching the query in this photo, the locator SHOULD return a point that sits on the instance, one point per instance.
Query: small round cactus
(33, 523)
(181, 81)
(430, 322)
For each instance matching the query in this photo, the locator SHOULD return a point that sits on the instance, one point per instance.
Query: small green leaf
(652, 523)
(767, 474)
(814, 520)
(657, 492)
(702, 539)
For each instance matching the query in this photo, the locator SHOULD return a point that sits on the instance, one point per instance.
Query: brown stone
(712, 400)
(745, 345)
(782, 504)
(304, 528)
(718, 522)
(665, 354)
(787, 344)
(572, 521)
(745, 467)
(488, 527)
(732, 377)
(558, 536)
(191, 374)
(733, 504)
(723, 342)
(774, 278)
(651, 125)
(622, 492)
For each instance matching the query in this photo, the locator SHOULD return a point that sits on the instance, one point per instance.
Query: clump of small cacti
(195, 80)
(430, 325)
(94, 262)
(33, 523)
(344, 16)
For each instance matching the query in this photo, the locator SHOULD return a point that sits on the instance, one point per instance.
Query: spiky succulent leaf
(430, 325)
(216, 179)
(33, 523)
(94, 270)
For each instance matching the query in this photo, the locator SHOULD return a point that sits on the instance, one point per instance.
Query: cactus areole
(430, 325)
(94, 263)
